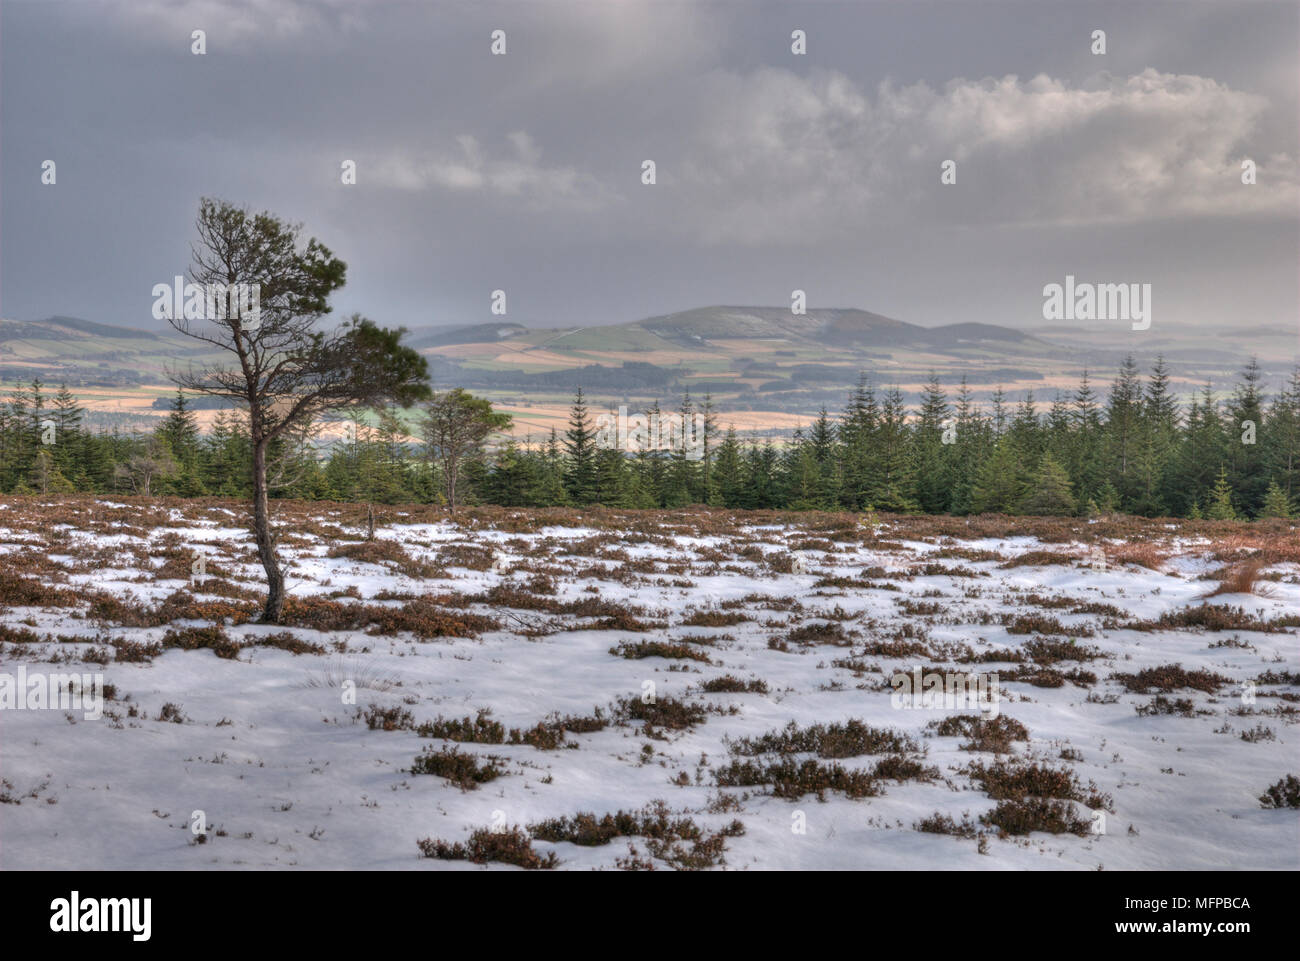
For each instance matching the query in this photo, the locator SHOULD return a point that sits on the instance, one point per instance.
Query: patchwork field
(603, 689)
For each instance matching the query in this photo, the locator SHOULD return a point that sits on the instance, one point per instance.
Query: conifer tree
(933, 476)
(1247, 469)
(1276, 503)
(1050, 491)
(580, 449)
(1221, 508)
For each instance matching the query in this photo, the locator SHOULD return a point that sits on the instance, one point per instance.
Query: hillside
(764, 367)
(85, 353)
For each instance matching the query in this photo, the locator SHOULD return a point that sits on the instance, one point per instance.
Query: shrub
(1170, 677)
(729, 684)
(669, 649)
(986, 734)
(388, 718)
(1036, 814)
(665, 712)
(939, 823)
(463, 770)
(1284, 794)
(212, 638)
(513, 846)
(1015, 781)
(850, 739)
(715, 619)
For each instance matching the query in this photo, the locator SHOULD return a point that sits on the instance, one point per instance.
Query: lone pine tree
(282, 370)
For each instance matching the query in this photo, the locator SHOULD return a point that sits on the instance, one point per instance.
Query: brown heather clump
(485, 845)
(792, 780)
(622, 621)
(1284, 794)
(1042, 624)
(421, 616)
(1048, 677)
(1213, 617)
(655, 820)
(285, 641)
(546, 735)
(715, 619)
(730, 684)
(665, 712)
(385, 552)
(128, 651)
(1024, 816)
(426, 620)
(177, 606)
(830, 633)
(669, 649)
(1039, 559)
(678, 841)
(939, 823)
(388, 718)
(480, 730)
(896, 648)
(850, 739)
(178, 565)
(517, 598)
(470, 556)
(461, 769)
(1161, 705)
(1017, 780)
(211, 638)
(19, 635)
(995, 735)
(1136, 553)
(1171, 677)
(1043, 650)
(18, 591)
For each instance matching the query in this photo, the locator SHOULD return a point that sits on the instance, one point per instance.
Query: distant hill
(68, 328)
(826, 327)
(450, 334)
(745, 358)
(84, 352)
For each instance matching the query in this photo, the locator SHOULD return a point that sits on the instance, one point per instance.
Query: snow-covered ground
(270, 756)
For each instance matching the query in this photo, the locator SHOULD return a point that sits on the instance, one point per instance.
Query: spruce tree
(1276, 503)
(1221, 508)
(1247, 470)
(1123, 434)
(1050, 492)
(729, 471)
(580, 451)
(933, 461)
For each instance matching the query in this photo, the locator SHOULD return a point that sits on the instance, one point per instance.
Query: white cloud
(242, 25)
(518, 175)
(772, 155)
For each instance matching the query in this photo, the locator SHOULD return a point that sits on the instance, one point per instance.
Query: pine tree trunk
(265, 542)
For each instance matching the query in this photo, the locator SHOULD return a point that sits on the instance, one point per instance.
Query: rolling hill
(761, 365)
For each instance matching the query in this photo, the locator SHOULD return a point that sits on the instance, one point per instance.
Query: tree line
(1135, 450)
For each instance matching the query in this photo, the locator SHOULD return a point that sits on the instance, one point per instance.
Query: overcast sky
(775, 171)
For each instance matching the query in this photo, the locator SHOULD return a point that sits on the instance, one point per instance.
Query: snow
(291, 776)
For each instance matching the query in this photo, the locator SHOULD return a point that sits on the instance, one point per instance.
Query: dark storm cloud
(522, 172)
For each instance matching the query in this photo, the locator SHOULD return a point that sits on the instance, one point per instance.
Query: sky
(774, 171)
